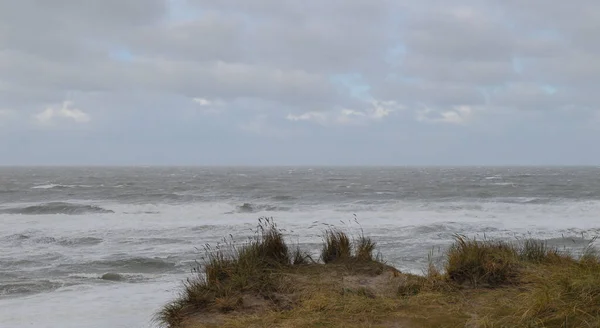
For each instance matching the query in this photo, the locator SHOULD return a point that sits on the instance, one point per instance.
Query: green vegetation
(265, 283)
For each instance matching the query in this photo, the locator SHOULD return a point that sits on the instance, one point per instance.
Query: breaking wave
(59, 186)
(29, 287)
(526, 200)
(17, 236)
(135, 265)
(254, 208)
(82, 241)
(283, 197)
(56, 208)
(112, 277)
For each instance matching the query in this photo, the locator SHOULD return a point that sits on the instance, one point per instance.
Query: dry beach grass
(482, 283)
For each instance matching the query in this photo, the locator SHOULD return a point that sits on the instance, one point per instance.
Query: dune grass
(477, 262)
(556, 288)
(336, 246)
(254, 268)
(481, 283)
(227, 273)
(566, 295)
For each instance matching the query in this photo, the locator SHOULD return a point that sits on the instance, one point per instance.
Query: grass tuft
(172, 314)
(268, 249)
(364, 249)
(336, 246)
(537, 251)
(534, 251)
(481, 262)
(300, 257)
(228, 272)
(590, 256)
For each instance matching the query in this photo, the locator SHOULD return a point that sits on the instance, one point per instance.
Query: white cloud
(317, 117)
(209, 107)
(66, 111)
(457, 115)
(334, 117)
(344, 116)
(202, 101)
(348, 117)
(382, 109)
(350, 113)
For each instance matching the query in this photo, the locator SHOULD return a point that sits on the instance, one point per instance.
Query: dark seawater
(297, 185)
(118, 240)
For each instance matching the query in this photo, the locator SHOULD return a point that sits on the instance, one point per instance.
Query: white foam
(48, 186)
(406, 231)
(51, 186)
(107, 305)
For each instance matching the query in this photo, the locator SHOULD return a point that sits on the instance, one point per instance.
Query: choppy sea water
(62, 230)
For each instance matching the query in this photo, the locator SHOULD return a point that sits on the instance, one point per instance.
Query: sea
(106, 247)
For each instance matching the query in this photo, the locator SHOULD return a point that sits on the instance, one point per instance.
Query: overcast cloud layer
(269, 82)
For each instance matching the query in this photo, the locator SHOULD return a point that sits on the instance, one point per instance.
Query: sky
(312, 82)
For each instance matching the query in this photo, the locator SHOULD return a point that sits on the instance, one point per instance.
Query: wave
(111, 276)
(155, 241)
(526, 200)
(204, 227)
(17, 236)
(505, 184)
(283, 197)
(254, 208)
(127, 277)
(539, 201)
(142, 212)
(13, 263)
(49, 186)
(28, 288)
(56, 208)
(60, 186)
(65, 241)
(494, 177)
(168, 196)
(134, 265)
(459, 207)
(432, 228)
(81, 241)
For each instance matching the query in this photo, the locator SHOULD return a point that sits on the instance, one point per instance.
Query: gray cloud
(459, 33)
(510, 52)
(137, 63)
(285, 51)
(67, 47)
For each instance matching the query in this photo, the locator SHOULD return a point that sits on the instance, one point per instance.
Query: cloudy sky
(312, 82)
